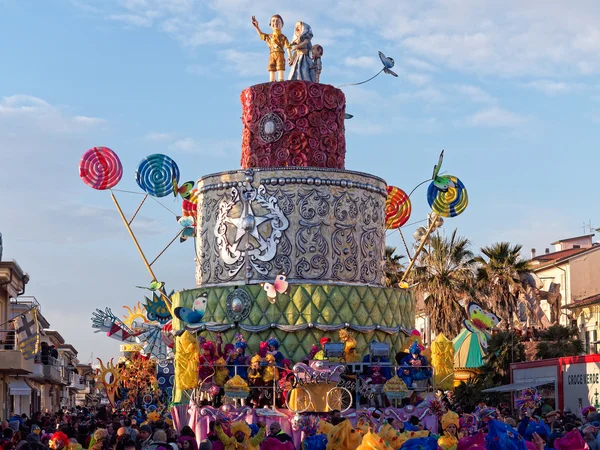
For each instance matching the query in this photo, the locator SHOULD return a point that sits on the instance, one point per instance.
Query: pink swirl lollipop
(100, 168)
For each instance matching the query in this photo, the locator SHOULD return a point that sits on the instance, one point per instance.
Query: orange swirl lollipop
(397, 208)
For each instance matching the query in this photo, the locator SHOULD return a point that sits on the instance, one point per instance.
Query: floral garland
(313, 125)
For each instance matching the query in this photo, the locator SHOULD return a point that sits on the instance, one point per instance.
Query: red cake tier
(293, 123)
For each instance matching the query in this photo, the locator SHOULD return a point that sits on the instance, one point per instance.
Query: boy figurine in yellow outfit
(277, 43)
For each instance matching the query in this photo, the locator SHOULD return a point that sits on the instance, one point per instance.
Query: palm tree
(393, 267)
(499, 278)
(558, 341)
(445, 273)
(504, 348)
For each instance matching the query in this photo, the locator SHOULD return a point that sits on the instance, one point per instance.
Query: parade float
(290, 256)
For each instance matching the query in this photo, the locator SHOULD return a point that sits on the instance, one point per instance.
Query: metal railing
(8, 339)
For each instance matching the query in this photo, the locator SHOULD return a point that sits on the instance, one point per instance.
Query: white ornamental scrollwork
(256, 236)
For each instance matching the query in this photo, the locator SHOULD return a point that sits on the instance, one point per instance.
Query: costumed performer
(206, 371)
(273, 345)
(239, 359)
(386, 369)
(255, 381)
(449, 438)
(414, 367)
(240, 436)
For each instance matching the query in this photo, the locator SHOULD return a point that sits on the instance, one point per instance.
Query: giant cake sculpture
(292, 245)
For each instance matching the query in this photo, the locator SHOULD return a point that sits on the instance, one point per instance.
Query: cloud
(191, 32)
(550, 87)
(246, 64)
(159, 137)
(474, 93)
(365, 62)
(209, 147)
(420, 64)
(364, 127)
(32, 111)
(132, 19)
(495, 118)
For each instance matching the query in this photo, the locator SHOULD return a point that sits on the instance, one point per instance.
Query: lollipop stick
(423, 240)
(404, 242)
(139, 249)
(168, 245)
(138, 209)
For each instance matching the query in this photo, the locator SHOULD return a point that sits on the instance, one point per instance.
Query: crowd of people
(486, 428)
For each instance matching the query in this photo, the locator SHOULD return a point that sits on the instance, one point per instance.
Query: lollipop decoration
(157, 175)
(100, 168)
(397, 208)
(449, 203)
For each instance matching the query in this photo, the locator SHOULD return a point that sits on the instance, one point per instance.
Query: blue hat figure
(503, 437)
(414, 367)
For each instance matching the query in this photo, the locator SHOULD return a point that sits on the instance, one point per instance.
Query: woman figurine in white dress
(301, 61)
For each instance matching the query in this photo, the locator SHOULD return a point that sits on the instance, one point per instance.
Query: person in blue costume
(274, 350)
(414, 366)
(239, 359)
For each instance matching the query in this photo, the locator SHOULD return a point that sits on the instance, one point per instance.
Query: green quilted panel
(332, 304)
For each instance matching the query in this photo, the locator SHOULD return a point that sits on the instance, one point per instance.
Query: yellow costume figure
(186, 364)
(277, 43)
(349, 346)
(450, 424)
(372, 441)
(221, 372)
(270, 372)
(231, 443)
(343, 437)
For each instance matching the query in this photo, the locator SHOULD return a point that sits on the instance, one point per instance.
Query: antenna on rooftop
(588, 226)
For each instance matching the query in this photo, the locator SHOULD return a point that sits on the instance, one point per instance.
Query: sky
(509, 89)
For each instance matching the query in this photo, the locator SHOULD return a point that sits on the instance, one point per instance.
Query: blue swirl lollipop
(155, 175)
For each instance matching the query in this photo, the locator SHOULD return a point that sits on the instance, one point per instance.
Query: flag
(28, 333)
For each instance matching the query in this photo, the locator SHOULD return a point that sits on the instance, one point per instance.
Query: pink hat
(570, 441)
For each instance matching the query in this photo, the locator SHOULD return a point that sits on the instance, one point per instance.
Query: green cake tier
(300, 317)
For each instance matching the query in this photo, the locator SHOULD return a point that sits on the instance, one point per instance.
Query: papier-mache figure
(301, 60)
(277, 43)
(238, 358)
(317, 53)
(414, 366)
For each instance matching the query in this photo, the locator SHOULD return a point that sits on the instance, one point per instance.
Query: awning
(516, 386)
(18, 387)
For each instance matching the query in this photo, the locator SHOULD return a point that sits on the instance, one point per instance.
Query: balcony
(11, 358)
(77, 383)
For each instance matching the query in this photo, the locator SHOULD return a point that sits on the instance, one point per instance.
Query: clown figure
(255, 381)
(239, 359)
(414, 367)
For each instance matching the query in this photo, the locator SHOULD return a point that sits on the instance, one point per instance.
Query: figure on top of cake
(277, 42)
(301, 63)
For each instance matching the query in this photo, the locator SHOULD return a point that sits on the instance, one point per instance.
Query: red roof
(548, 258)
(591, 300)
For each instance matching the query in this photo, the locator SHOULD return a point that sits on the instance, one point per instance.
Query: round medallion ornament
(270, 127)
(238, 305)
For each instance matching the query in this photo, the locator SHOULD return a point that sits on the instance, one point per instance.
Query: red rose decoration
(252, 161)
(315, 119)
(302, 110)
(315, 104)
(296, 93)
(333, 126)
(341, 147)
(332, 161)
(252, 115)
(264, 162)
(260, 100)
(247, 97)
(319, 159)
(261, 88)
(329, 144)
(277, 102)
(315, 90)
(245, 137)
(260, 151)
(340, 164)
(302, 124)
(277, 90)
(295, 142)
(313, 132)
(329, 97)
(314, 144)
(282, 155)
(329, 116)
(341, 99)
(288, 126)
(324, 130)
(291, 112)
(299, 160)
